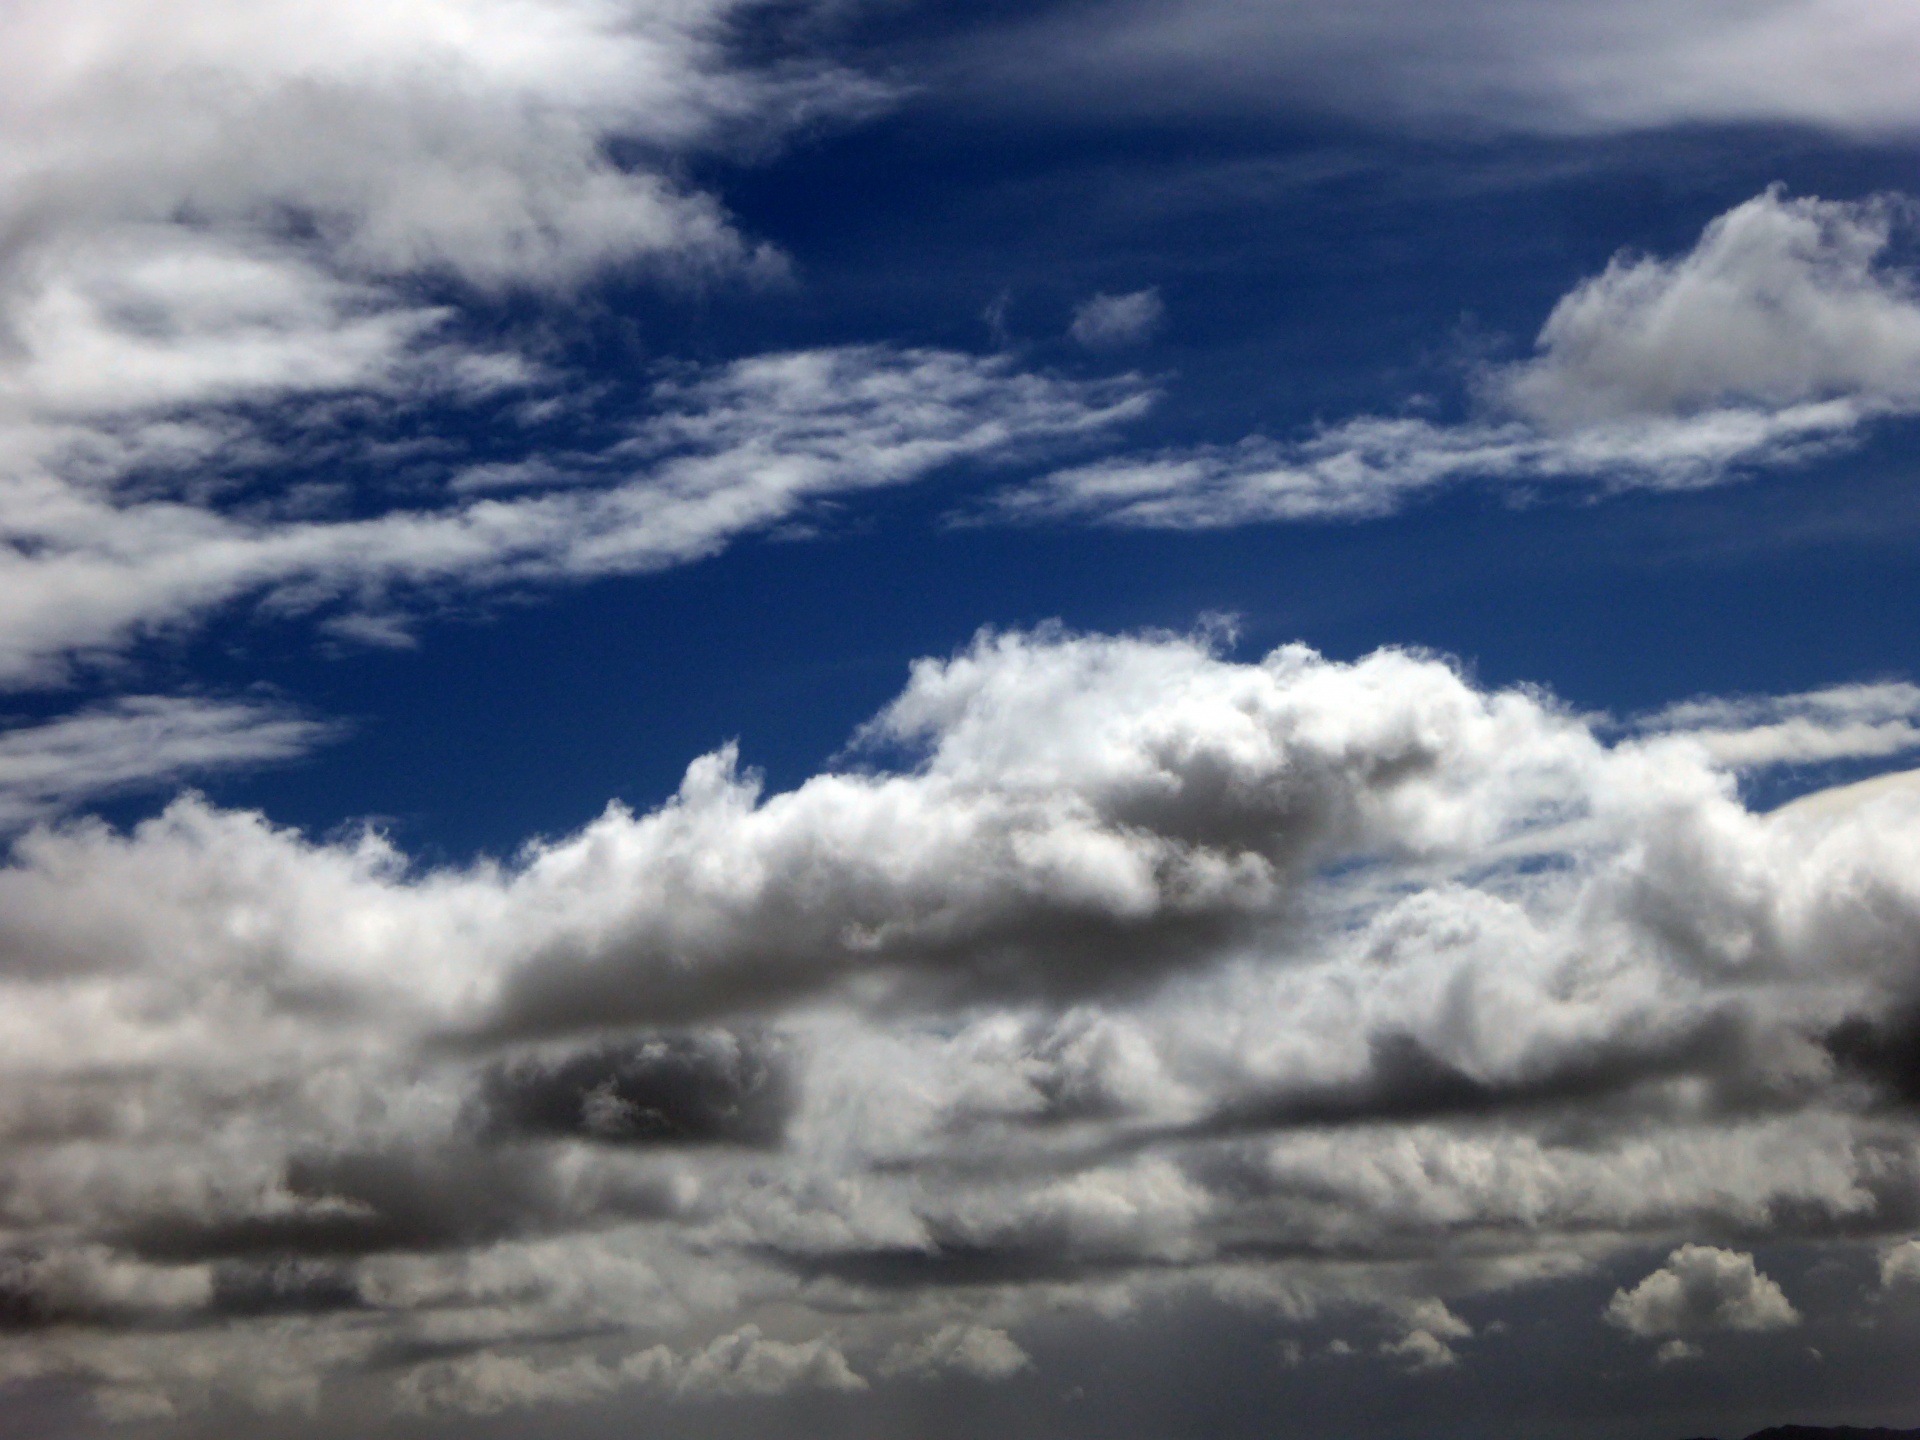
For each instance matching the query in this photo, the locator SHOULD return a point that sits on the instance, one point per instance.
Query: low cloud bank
(1114, 967)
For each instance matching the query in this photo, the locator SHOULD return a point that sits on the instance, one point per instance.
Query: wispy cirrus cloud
(221, 224)
(97, 559)
(141, 742)
(1780, 336)
(1512, 64)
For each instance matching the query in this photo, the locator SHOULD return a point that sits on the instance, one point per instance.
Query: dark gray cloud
(713, 1087)
(434, 1197)
(244, 1289)
(1882, 1050)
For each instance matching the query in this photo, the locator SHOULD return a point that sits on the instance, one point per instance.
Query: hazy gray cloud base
(1151, 973)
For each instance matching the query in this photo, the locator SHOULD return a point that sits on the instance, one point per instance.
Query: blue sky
(1108, 717)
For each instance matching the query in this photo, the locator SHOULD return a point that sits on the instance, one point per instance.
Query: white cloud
(1142, 966)
(1530, 64)
(722, 454)
(977, 1350)
(1846, 722)
(1699, 1290)
(1779, 336)
(139, 742)
(1422, 1350)
(1900, 1264)
(1782, 302)
(466, 134)
(1430, 1326)
(218, 221)
(1108, 322)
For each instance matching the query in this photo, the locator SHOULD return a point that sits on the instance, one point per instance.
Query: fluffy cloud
(1516, 63)
(218, 202)
(1783, 302)
(1114, 967)
(1699, 1290)
(1778, 336)
(977, 1350)
(1900, 1264)
(1430, 1326)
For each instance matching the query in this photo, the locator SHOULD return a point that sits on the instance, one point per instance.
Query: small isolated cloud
(1676, 1350)
(1702, 1289)
(1430, 1326)
(977, 1350)
(1900, 1265)
(1780, 336)
(1422, 1350)
(1109, 322)
(731, 451)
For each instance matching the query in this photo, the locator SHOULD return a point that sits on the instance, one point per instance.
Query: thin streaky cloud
(1779, 338)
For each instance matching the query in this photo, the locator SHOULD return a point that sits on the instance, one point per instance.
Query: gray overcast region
(1392, 1032)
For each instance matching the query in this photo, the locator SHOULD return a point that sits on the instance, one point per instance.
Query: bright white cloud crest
(1702, 1289)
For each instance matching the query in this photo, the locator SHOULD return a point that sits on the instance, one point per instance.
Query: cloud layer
(1115, 968)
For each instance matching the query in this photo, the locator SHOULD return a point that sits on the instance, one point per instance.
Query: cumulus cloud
(1430, 1326)
(1782, 302)
(1699, 1290)
(1422, 1350)
(976, 1350)
(1674, 1351)
(1108, 322)
(1779, 336)
(1528, 64)
(1106, 966)
(1900, 1264)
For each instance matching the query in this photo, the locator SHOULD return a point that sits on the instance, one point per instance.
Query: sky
(854, 718)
